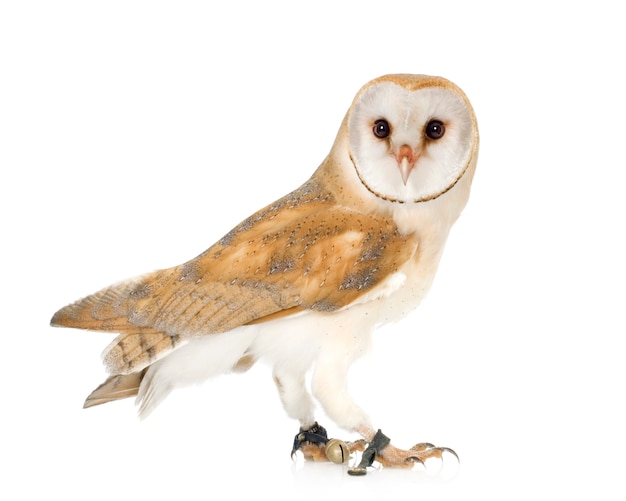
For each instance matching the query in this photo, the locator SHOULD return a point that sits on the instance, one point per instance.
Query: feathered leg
(330, 388)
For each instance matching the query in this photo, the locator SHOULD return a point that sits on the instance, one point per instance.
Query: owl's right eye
(381, 128)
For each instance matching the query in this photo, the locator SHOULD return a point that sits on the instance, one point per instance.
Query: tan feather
(116, 387)
(106, 310)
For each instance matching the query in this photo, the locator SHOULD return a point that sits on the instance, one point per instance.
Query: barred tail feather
(133, 351)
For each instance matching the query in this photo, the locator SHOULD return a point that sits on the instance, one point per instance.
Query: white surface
(135, 134)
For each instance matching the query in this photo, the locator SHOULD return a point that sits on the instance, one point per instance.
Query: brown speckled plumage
(301, 252)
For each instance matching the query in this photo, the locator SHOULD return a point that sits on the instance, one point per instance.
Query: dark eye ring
(435, 129)
(381, 128)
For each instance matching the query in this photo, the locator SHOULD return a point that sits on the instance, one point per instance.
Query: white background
(135, 134)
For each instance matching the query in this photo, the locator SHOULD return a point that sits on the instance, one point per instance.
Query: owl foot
(316, 446)
(311, 442)
(387, 455)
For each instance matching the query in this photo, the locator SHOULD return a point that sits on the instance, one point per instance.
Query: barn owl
(302, 283)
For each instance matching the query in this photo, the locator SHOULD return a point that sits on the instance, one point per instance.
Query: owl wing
(302, 253)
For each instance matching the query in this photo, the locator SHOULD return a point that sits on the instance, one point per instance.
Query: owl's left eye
(381, 128)
(435, 129)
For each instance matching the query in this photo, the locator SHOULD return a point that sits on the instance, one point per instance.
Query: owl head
(411, 137)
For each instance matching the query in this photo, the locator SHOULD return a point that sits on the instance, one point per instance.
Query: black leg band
(314, 435)
(378, 443)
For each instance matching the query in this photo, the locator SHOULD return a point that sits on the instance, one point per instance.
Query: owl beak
(406, 162)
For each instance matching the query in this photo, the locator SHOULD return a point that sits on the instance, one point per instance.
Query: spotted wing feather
(303, 252)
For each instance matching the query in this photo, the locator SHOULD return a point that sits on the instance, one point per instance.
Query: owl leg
(329, 385)
(298, 404)
(294, 396)
(311, 439)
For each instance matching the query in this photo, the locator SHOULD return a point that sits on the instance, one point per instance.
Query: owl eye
(435, 129)
(381, 128)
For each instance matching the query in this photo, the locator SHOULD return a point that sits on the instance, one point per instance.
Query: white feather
(201, 358)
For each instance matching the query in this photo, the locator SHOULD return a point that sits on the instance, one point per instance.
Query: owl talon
(433, 452)
(420, 453)
(379, 449)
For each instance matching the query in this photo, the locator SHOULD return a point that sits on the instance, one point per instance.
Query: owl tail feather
(116, 387)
